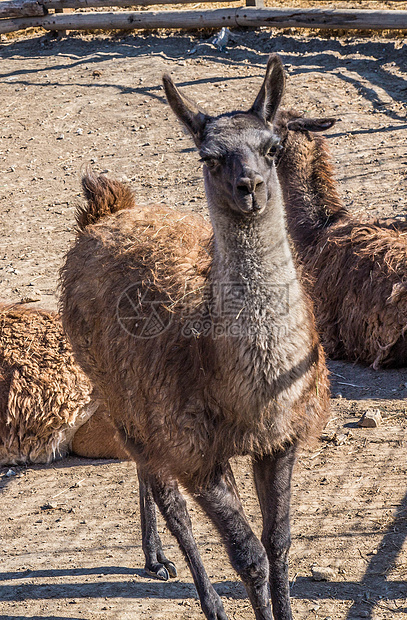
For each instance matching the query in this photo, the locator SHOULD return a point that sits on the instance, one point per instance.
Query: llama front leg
(157, 565)
(219, 498)
(272, 475)
(174, 510)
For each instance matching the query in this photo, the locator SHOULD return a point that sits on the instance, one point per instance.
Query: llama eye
(210, 162)
(272, 151)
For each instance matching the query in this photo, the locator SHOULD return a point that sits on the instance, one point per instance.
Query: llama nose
(249, 183)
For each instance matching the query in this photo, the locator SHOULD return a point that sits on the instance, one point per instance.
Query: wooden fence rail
(35, 8)
(14, 16)
(21, 8)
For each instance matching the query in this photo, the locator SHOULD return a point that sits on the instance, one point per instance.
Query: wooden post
(258, 4)
(61, 33)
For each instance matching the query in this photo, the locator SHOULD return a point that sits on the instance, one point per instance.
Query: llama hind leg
(219, 498)
(174, 510)
(272, 476)
(157, 565)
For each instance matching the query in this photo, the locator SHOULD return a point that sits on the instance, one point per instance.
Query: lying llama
(358, 268)
(204, 351)
(46, 407)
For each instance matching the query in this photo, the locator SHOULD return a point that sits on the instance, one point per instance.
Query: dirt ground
(69, 532)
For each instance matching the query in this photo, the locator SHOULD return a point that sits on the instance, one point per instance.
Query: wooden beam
(83, 4)
(217, 18)
(21, 8)
(332, 19)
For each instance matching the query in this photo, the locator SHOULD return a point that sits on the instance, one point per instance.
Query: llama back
(44, 396)
(166, 251)
(156, 252)
(364, 316)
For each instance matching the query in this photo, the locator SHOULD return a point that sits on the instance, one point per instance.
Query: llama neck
(257, 306)
(309, 189)
(252, 252)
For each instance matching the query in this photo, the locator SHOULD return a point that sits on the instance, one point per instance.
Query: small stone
(31, 298)
(60, 137)
(79, 131)
(370, 419)
(49, 506)
(340, 439)
(320, 573)
(338, 395)
(10, 473)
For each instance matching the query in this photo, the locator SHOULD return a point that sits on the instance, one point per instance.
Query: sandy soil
(97, 99)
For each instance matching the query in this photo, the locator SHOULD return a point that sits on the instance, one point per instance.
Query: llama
(358, 269)
(46, 405)
(203, 349)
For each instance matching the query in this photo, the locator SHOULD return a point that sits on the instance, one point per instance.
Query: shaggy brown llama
(203, 350)
(358, 269)
(46, 407)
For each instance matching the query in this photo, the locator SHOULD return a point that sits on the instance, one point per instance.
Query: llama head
(237, 148)
(289, 124)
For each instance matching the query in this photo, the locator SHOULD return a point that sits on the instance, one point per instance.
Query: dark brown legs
(272, 475)
(262, 567)
(174, 510)
(247, 555)
(157, 565)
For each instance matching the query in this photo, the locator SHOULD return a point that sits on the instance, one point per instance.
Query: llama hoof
(216, 612)
(171, 568)
(161, 571)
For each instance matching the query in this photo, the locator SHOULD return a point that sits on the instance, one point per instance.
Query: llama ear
(185, 110)
(271, 92)
(311, 124)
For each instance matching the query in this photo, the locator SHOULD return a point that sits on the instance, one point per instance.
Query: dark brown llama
(46, 405)
(358, 269)
(203, 350)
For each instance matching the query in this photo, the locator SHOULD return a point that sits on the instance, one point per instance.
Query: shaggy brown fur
(110, 196)
(204, 350)
(44, 396)
(96, 438)
(46, 406)
(169, 253)
(358, 268)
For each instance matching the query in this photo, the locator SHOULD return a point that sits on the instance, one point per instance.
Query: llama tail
(104, 196)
